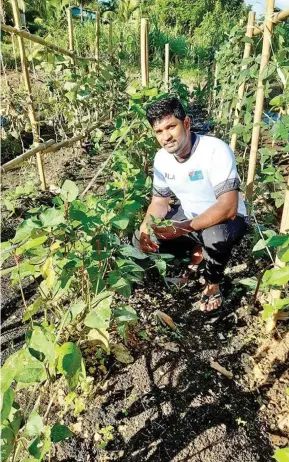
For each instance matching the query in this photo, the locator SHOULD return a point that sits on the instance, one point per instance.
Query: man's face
(172, 133)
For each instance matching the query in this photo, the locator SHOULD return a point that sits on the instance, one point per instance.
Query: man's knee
(224, 235)
(215, 236)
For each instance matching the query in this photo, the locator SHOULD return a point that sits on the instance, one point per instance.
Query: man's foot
(211, 298)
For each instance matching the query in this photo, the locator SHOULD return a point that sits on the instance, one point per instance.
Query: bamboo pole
(34, 38)
(284, 228)
(215, 82)
(70, 34)
(14, 51)
(120, 47)
(247, 52)
(144, 52)
(260, 98)
(110, 46)
(26, 155)
(70, 141)
(31, 109)
(49, 146)
(97, 34)
(276, 19)
(167, 66)
(2, 11)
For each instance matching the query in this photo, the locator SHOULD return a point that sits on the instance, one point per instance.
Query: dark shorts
(216, 242)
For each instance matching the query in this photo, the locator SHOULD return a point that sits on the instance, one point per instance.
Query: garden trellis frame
(266, 29)
(271, 19)
(51, 145)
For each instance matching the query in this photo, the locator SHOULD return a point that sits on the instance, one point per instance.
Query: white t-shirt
(198, 181)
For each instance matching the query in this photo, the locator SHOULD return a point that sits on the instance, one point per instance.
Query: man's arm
(225, 209)
(158, 208)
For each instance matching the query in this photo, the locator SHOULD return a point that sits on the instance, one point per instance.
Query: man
(201, 172)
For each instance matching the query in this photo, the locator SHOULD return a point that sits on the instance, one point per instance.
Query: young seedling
(159, 222)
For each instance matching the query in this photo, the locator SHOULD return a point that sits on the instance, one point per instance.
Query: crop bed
(168, 403)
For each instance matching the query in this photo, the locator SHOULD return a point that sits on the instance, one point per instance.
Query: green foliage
(14, 199)
(60, 433)
(277, 277)
(74, 250)
(281, 455)
(68, 99)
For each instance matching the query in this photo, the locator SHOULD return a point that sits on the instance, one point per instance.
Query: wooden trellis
(52, 146)
(144, 52)
(49, 146)
(266, 28)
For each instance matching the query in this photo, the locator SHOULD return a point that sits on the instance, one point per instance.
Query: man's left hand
(177, 229)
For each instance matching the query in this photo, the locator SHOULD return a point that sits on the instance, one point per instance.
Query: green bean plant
(75, 252)
(270, 182)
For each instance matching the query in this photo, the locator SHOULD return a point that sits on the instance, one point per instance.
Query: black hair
(165, 107)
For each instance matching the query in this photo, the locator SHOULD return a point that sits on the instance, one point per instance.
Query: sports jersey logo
(196, 175)
(170, 176)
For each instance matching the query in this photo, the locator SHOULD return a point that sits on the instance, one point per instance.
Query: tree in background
(186, 15)
(215, 26)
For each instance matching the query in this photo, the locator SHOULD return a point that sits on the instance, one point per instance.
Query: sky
(259, 5)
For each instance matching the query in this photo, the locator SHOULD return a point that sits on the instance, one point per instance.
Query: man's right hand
(146, 244)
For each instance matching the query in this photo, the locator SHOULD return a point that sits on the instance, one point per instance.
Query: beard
(175, 147)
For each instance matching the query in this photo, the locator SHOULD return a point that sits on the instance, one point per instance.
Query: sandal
(211, 298)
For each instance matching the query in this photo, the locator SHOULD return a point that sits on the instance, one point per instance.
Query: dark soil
(170, 405)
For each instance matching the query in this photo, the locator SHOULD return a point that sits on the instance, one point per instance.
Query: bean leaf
(69, 191)
(69, 363)
(60, 432)
(34, 426)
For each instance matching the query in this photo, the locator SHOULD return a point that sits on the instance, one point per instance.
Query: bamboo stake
(215, 82)
(276, 19)
(26, 155)
(2, 11)
(49, 146)
(14, 52)
(167, 66)
(220, 113)
(120, 49)
(260, 97)
(70, 34)
(31, 109)
(247, 52)
(284, 228)
(110, 46)
(34, 38)
(70, 141)
(97, 33)
(144, 52)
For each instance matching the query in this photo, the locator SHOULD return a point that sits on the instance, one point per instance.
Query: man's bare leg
(196, 259)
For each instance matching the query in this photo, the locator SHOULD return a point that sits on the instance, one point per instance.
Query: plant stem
(20, 284)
